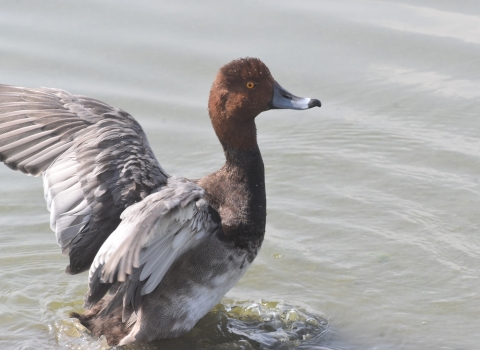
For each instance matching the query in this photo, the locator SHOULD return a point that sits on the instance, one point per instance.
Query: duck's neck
(236, 134)
(237, 192)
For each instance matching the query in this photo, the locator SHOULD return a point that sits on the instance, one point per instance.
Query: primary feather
(95, 160)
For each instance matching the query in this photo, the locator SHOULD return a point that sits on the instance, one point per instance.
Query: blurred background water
(373, 200)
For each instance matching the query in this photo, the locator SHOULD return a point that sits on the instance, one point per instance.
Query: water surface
(373, 200)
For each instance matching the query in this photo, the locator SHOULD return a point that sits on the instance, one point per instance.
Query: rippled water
(373, 200)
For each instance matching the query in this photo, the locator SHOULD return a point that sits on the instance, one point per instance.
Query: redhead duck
(166, 248)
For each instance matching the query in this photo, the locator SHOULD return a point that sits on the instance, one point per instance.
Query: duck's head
(242, 90)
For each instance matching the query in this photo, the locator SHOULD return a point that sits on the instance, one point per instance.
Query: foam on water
(230, 325)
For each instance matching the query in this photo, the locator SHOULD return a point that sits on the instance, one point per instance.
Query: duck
(161, 250)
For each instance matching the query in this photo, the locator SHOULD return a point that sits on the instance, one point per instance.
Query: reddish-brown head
(242, 90)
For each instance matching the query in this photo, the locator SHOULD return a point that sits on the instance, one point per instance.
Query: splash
(230, 325)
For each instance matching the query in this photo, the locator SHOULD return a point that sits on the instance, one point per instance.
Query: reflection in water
(241, 325)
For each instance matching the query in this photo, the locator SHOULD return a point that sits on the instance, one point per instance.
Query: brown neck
(237, 134)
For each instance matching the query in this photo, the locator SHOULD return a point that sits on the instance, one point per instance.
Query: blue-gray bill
(283, 99)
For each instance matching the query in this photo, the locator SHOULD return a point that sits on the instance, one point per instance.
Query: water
(373, 199)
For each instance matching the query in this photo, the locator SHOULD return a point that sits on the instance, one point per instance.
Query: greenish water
(373, 200)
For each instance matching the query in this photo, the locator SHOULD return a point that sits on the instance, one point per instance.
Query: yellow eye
(250, 85)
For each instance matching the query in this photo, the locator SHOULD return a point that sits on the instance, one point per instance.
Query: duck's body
(194, 284)
(202, 275)
(181, 244)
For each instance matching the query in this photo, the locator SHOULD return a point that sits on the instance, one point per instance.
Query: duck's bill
(282, 99)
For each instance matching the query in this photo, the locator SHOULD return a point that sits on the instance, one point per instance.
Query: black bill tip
(314, 103)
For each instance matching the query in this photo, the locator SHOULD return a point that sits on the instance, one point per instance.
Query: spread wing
(153, 234)
(95, 160)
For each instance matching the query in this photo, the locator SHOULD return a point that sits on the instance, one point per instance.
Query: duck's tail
(108, 324)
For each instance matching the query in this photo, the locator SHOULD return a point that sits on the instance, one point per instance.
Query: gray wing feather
(152, 235)
(95, 160)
